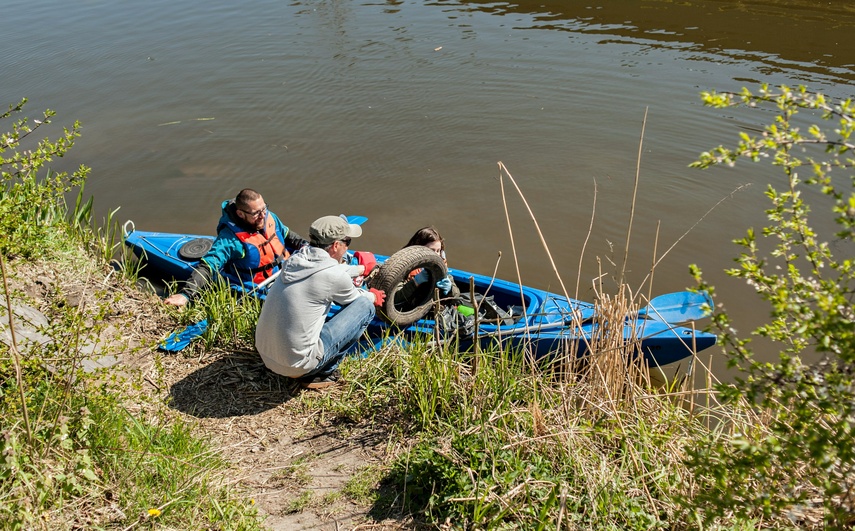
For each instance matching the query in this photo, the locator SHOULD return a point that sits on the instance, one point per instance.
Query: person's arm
(293, 241)
(453, 292)
(226, 248)
(344, 292)
(448, 289)
(407, 292)
(352, 271)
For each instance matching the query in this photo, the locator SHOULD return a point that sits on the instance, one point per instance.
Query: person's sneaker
(320, 382)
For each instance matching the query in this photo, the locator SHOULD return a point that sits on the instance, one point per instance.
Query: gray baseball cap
(328, 229)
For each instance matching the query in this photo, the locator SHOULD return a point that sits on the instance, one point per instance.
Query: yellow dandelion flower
(252, 502)
(154, 512)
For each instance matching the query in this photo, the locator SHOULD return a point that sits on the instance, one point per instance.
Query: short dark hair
(245, 197)
(426, 235)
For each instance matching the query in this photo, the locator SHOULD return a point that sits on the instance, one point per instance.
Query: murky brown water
(401, 110)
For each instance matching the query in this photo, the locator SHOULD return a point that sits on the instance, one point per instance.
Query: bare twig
(690, 229)
(19, 376)
(632, 205)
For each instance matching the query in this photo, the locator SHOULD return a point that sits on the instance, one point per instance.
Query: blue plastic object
(422, 277)
(356, 220)
(444, 285)
(678, 307)
(179, 340)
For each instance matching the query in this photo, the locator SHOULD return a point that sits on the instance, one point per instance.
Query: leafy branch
(803, 452)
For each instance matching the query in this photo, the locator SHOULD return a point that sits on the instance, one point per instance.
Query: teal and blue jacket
(242, 254)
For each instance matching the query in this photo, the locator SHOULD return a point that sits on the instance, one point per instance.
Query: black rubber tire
(392, 275)
(195, 249)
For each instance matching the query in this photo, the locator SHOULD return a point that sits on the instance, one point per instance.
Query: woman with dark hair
(428, 237)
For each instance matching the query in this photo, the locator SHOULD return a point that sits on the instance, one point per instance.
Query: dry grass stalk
(503, 171)
(615, 368)
(616, 362)
(612, 360)
(632, 203)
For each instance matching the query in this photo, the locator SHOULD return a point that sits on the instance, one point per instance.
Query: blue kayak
(536, 320)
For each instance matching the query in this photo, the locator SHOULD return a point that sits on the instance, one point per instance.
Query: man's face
(254, 213)
(338, 249)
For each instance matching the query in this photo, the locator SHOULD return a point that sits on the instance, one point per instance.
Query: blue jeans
(341, 332)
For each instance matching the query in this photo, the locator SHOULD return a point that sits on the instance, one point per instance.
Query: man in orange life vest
(251, 243)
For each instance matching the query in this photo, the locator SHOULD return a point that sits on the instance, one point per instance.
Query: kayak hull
(543, 321)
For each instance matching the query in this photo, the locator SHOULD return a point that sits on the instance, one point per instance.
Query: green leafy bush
(77, 449)
(30, 203)
(795, 456)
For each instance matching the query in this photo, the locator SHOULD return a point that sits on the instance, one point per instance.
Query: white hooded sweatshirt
(289, 328)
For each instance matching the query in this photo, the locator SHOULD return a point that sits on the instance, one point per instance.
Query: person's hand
(367, 260)
(422, 277)
(444, 285)
(176, 299)
(379, 296)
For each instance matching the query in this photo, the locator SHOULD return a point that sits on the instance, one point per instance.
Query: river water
(401, 111)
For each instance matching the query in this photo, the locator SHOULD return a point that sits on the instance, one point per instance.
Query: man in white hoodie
(292, 335)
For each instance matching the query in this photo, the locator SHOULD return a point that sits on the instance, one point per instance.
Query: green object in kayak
(466, 310)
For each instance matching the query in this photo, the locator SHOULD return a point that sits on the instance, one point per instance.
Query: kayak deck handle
(128, 228)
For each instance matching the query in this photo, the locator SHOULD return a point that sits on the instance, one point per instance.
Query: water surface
(402, 110)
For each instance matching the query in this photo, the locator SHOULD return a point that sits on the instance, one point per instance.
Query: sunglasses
(346, 241)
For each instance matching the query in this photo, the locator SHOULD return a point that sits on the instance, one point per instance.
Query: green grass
(495, 443)
(300, 503)
(86, 450)
(231, 319)
(361, 488)
(94, 454)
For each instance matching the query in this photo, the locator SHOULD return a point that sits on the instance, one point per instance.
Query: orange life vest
(263, 251)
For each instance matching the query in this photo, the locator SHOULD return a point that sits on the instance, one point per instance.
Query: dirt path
(289, 458)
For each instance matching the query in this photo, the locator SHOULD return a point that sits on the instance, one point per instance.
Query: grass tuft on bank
(490, 441)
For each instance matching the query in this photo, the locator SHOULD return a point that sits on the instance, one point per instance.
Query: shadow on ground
(235, 384)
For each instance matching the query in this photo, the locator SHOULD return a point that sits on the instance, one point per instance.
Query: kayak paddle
(356, 220)
(678, 307)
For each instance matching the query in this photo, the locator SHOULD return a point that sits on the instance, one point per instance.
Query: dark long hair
(426, 235)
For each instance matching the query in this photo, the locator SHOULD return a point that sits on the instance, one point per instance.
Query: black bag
(451, 319)
(488, 310)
